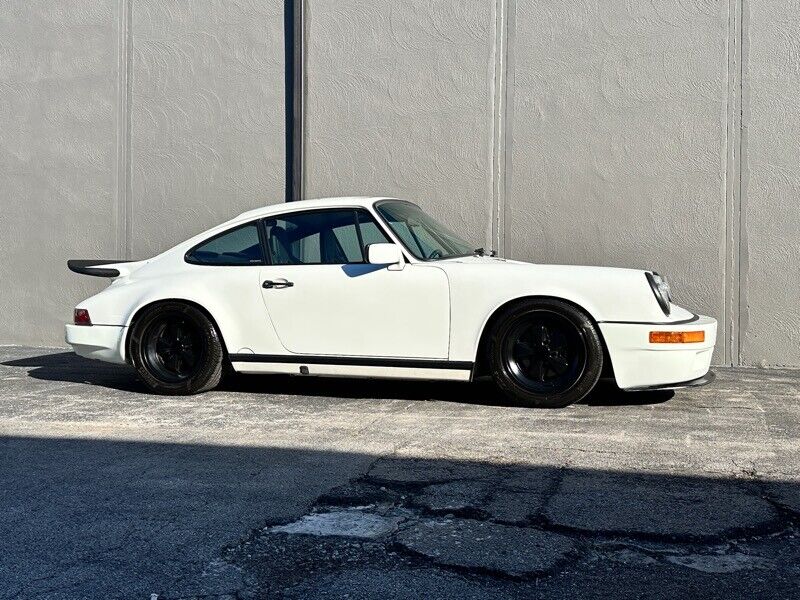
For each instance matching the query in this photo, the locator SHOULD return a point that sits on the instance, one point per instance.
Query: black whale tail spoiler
(104, 268)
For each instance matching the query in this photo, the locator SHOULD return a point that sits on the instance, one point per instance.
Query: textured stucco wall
(125, 127)
(58, 111)
(619, 141)
(660, 135)
(771, 186)
(399, 102)
(207, 115)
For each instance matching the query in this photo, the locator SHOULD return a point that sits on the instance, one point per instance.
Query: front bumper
(101, 342)
(700, 381)
(640, 364)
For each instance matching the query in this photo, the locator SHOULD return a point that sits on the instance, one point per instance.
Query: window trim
(355, 209)
(188, 259)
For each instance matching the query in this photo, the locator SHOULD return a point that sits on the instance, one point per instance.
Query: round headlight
(661, 290)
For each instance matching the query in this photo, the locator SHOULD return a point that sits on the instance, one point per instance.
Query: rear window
(240, 246)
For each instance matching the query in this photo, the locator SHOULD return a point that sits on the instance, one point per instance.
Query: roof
(313, 203)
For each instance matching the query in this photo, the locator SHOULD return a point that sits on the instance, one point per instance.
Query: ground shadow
(115, 519)
(71, 368)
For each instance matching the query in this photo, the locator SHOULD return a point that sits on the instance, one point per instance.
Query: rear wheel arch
(481, 357)
(145, 307)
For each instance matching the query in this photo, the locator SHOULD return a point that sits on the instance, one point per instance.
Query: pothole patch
(725, 563)
(358, 493)
(489, 547)
(786, 494)
(357, 522)
(650, 506)
(455, 496)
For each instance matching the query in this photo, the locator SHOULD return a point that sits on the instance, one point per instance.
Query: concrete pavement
(306, 488)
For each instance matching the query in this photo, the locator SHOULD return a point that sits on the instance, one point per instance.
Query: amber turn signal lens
(677, 337)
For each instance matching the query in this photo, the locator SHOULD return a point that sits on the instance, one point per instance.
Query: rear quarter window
(239, 246)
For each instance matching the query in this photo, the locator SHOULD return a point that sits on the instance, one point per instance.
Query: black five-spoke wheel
(176, 349)
(545, 352)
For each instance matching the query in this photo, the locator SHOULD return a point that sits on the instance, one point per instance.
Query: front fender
(606, 294)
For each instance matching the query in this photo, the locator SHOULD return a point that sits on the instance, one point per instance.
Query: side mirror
(386, 254)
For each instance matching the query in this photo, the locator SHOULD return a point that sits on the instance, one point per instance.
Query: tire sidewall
(505, 380)
(208, 373)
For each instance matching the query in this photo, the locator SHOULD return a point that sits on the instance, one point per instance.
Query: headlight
(661, 290)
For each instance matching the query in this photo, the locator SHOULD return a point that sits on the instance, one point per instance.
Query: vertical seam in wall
(742, 247)
(294, 82)
(299, 159)
(294, 107)
(732, 155)
(289, 60)
(123, 177)
(497, 150)
(508, 114)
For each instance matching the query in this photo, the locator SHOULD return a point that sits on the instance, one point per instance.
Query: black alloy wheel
(176, 349)
(545, 353)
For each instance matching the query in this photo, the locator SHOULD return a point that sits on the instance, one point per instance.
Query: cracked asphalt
(274, 487)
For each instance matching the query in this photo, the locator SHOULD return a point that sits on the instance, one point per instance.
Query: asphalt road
(315, 488)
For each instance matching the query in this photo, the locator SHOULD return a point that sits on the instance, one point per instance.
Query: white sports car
(374, 287)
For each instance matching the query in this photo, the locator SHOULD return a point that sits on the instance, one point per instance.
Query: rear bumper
(639, 364)
(101, 342)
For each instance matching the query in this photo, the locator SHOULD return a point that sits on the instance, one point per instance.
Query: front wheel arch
(481, 367)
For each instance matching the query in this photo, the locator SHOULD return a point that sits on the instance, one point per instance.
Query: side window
(370, 232)
(327, 237)
(240, 246)
(347, 239)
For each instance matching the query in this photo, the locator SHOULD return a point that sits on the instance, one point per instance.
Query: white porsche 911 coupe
(374, 287)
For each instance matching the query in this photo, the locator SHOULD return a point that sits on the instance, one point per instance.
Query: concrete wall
(619, 141)
(655, 135)
(58, 165)
(660, 135)
(125, 127)
(207, 115)
(770, 230)
(399, 101)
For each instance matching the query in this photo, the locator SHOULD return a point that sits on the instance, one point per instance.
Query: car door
(324, 299)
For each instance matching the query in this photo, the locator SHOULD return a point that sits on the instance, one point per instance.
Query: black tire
(545, 353)
(176, 349)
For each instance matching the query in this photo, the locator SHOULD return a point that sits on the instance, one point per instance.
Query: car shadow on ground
(127, 519)
(71, 368)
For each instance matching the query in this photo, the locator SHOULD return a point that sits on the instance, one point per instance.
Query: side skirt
(337, 366)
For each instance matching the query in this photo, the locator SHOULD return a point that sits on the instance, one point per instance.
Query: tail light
(81, 317)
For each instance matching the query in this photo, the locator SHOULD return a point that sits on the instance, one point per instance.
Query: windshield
(422, 236)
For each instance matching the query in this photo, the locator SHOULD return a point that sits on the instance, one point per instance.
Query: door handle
(278, 283)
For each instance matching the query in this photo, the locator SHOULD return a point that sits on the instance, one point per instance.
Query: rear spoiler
(103, 268)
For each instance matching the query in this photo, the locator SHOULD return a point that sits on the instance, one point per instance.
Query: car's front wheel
(545, 353)
(176, 349)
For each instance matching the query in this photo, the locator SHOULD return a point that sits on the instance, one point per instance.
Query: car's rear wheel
(545, 353)
(176, 349)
